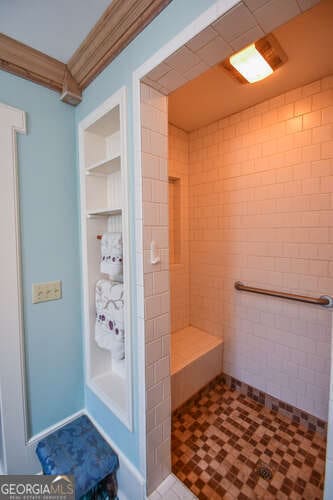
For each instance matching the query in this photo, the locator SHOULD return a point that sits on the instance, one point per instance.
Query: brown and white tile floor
(221, 438)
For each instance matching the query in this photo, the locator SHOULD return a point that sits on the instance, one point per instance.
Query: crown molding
(71, 90)
(31, 64)
(122, 21)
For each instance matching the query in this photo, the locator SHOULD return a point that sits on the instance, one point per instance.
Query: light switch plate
(44, 292)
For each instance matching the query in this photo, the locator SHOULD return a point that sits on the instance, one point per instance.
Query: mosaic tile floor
(221, 439)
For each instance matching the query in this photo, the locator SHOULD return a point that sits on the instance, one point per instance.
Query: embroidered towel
(112, 256)
(109, 326)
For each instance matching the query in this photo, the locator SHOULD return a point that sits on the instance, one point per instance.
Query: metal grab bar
(323, 300)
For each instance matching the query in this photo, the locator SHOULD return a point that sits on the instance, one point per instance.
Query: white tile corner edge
(328, 488)
(172, 489)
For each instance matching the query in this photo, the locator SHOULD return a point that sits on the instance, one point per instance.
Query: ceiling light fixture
(256, 61)
(251, 64)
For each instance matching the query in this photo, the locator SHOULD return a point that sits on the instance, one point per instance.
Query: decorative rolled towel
(109, 326)
(112, 256)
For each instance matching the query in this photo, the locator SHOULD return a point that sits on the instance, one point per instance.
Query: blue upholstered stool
(78, 449)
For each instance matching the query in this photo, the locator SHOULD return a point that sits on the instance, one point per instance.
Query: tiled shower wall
(154, 133)
(329, 453)
(261, 211)
(179, 228)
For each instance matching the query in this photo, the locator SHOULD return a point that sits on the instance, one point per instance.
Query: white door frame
(203, 21)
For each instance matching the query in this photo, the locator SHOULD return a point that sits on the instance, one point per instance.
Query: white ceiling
(307, 40)
(55, 27)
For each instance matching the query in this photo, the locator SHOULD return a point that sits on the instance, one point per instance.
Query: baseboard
(30, 448)
(41, 435)
(130, 481)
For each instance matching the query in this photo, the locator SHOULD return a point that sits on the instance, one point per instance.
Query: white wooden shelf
(104, 186)
(105, 167)
(104, 212)
(111, 389)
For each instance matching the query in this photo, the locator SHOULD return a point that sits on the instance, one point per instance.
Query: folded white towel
(109, 327)
(112, 256)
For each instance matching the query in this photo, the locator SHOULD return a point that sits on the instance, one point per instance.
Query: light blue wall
(50, 250)
(172, 20)
(50, 224)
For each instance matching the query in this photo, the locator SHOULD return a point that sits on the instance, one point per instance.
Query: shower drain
(264, 472)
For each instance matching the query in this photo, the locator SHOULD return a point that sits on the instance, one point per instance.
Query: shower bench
(196, 359)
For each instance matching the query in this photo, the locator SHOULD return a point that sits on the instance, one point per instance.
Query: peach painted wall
(179, 228)
(261, 211)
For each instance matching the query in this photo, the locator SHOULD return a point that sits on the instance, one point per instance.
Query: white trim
(107, 105)
(131, 483)
(141, 353)
(118, 98)
(13, 411)
(33, 441)
(34, 465)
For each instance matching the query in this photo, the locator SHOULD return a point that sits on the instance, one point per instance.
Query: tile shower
(257, 207)
(196, 356)
(250, 199)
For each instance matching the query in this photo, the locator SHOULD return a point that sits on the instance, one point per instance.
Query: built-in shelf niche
(175, 238)
(104, 206)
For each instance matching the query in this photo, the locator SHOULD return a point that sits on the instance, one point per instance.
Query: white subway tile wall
(260, 208)
(156, 283)
(179, 229)
(261, 211)
(328, 491)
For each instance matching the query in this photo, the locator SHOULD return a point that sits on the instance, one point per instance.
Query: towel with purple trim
(112, 256)
(109, 326)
